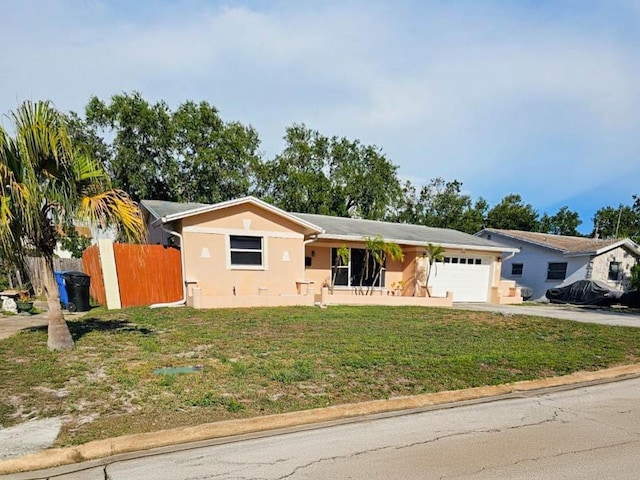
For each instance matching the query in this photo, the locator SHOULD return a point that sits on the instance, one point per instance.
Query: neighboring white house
(548, 261)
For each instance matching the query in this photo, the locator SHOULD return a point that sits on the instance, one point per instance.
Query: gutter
(413, 243)
(311, 239)
(182, 301)
(510, 256)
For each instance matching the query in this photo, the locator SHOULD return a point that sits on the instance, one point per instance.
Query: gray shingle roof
(568, 245)
(407, 234)
(161, 208)
(340, 228)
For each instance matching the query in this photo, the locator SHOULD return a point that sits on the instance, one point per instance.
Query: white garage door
(469, 282)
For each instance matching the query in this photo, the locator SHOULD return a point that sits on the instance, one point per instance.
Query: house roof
(335, 228)
(352, 229)
(567, 245)
(161, 209)
(166, 212)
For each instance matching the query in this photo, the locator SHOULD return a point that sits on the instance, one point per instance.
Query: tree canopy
(188, 154)
(563, 222)
(617, 222)
(513, 214)
(441, 204)
(330, 176)
(191, 154)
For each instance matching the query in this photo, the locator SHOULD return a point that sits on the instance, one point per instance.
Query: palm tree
(47, 182)
(380, 250)
(434, 253)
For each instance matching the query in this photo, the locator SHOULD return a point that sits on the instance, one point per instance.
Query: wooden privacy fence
(146, 274)
(91, 262)
(34, 269)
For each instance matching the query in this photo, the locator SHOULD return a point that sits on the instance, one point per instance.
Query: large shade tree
(513, 214)
(440, 203)
(329, 176)
(46, 183)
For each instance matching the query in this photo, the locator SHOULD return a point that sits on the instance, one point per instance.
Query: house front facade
(246, 252)
(547, 261)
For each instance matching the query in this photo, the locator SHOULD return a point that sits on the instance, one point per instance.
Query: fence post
(109, 273)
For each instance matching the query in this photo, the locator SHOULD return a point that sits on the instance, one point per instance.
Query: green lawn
(264, 361)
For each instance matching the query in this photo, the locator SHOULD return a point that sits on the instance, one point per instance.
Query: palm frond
(114, 208)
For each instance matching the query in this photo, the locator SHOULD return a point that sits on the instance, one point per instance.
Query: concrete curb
(101, 449)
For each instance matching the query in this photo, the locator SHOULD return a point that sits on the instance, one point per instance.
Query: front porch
(381, 297)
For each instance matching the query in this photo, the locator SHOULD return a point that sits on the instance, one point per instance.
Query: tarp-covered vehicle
(584, 292)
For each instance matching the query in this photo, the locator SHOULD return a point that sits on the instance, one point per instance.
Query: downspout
(183, 301)
(510, 256)
(311, 239)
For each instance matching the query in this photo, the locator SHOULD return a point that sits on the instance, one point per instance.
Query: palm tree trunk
(58, 331)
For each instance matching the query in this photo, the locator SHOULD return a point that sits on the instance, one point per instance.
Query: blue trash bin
(62, 289)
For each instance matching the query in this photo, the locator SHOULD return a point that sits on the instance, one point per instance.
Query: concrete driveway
(563, 312)
(12, 324)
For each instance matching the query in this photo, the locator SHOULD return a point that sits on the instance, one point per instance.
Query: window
(615, 268)
(516, 269)
(354, 273)
(463, 261)
(557, 271)
(245, 250)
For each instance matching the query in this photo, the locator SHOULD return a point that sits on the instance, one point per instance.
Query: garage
(467, 277)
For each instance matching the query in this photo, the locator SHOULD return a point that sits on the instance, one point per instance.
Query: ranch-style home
(547, 261)
(246, 252)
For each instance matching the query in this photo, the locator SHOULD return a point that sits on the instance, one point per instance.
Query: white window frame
(383, 272)
(263, 253)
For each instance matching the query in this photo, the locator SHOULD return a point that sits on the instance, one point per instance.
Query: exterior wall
(388, 300)
(157, 236)
(408, 272)
(307, 298)
(506, 293)
(207, 257)
(600, 267)
(319, 272)
(535, 262)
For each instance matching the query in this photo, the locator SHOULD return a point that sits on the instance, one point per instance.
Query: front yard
(253, 362)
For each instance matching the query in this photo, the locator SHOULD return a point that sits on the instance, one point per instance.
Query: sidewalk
(12, 324)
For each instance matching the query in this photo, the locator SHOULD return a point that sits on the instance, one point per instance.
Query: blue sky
(540, 98)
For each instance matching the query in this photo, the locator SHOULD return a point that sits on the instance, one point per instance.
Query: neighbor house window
(245, 250)
(557, 271)
(615, 268)
(356, 273)
(516, 269)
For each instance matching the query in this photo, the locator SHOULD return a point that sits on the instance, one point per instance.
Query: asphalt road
(585, 433)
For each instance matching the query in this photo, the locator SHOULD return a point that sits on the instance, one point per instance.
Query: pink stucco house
(246, 252)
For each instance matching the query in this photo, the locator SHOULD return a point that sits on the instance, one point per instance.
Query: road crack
(554, 418)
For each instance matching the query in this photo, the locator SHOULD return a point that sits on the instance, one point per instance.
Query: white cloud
(475, 91)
